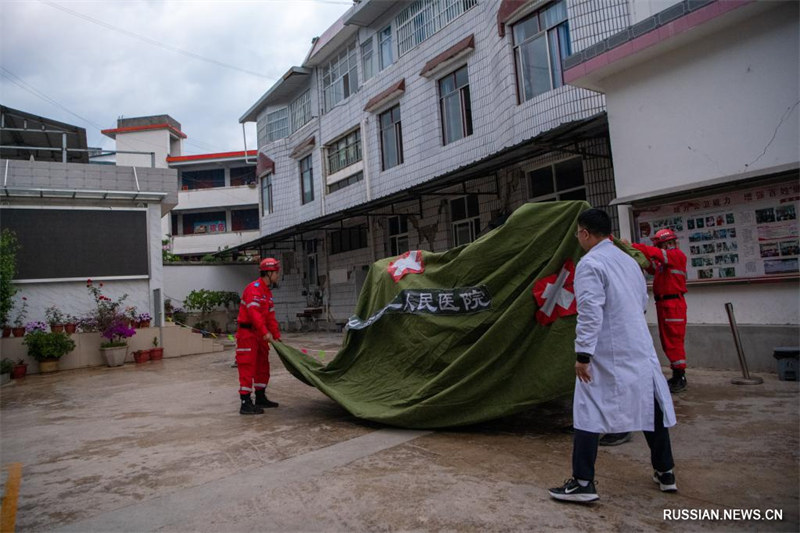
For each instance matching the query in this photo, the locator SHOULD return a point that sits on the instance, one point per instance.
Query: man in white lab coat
(619, 386)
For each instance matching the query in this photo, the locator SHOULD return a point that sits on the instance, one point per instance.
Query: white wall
(724, 106)
(180, 280)
(143, 141)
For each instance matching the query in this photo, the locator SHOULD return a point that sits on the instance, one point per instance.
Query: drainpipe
(244, 138)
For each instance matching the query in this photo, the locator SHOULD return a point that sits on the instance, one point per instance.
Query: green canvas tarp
(458, 343)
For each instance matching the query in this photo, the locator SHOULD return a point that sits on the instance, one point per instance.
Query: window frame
(344, 151)
(557, 193)
(266, 201)
(465, 106)
(396, 238)
(340, 73)
(557, 43)
(369, 61)
(278, 126)
(471, 221)
(396, 133)
(424, 18)
(384, 39)
(306, 175)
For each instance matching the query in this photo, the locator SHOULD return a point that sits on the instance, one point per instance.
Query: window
(465, 216)
(202, 179)
(344, 152)
(341, 184)
(300, 110)
(348, 239)
(243, 176)
(541, 41)
(385, 48)
(278, 124)
(561, 181)
(423, 18)
(244, 219)
(266, 194)
(398, 235)
(340, 77)
(455, 106)
(312, 269)
(199, 223)
(288, 120)
(391, 138)
(306, 180)
(174, 227)
(367, 59)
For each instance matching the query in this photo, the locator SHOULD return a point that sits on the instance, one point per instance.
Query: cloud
(98, 71)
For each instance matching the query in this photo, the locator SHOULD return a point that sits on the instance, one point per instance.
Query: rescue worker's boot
(247, 407)
(677, 382)
(263, 401)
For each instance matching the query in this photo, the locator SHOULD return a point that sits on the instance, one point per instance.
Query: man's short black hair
(596, 222)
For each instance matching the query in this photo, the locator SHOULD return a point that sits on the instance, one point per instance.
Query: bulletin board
(742, 234)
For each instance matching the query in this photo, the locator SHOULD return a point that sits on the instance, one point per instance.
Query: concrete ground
(161, 447)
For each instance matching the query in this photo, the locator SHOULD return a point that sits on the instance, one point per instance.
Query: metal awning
(564, 138)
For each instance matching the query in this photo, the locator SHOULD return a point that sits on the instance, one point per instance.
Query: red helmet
(664, 235)
(270, 264)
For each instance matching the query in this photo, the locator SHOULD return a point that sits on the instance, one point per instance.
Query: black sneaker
(615, 439)
(263, 401)
(677, 383)
(248, 408)
(572, 491)
(666, 481)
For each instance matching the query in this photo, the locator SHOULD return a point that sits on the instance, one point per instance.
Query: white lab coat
(626, 375)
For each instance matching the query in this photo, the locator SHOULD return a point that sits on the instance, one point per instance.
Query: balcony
(217, 197)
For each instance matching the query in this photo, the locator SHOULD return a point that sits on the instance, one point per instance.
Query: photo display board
(742, 234)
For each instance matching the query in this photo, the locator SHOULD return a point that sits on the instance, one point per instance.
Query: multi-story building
(421, 126)
(217, 194)
(703, 103)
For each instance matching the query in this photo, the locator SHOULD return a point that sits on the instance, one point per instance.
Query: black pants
(584, 448)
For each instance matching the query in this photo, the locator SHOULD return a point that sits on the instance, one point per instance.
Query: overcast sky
(204, 63)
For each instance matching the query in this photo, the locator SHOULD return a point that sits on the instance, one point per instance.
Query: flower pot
(56, 328)
(6, 331)
(19, 371)
(48, 365)
(141, 356)
(144, 324)
(18, 332)
(70, 328)
(156, 354)
(115, 355)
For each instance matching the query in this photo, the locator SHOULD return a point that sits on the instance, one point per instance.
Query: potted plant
(48, 348)
(18, 329)
(156, 352)
(8, 269)
(70, 324)
(143, 320)
(55, 318)
(112, 324)
(20, 369)
(6, 365)
(130, 316)
(141, 356)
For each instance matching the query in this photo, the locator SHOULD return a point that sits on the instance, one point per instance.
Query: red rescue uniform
(256, 318)
(669, 286)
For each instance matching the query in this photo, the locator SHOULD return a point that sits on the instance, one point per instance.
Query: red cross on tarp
(555, 295)
(408, 263)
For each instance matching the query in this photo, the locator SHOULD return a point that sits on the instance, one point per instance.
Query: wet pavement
(161, 447)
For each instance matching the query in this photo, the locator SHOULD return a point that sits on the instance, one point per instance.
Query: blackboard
(78, 243)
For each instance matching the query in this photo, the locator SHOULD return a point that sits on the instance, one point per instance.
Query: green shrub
(42, 345)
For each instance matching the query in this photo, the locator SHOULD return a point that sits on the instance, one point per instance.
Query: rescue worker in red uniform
(257, 326)
(669, 285)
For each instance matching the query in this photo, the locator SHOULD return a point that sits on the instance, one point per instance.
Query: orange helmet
(664, 235)
(269, 264)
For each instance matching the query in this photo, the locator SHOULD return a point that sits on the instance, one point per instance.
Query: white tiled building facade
(420, 126)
